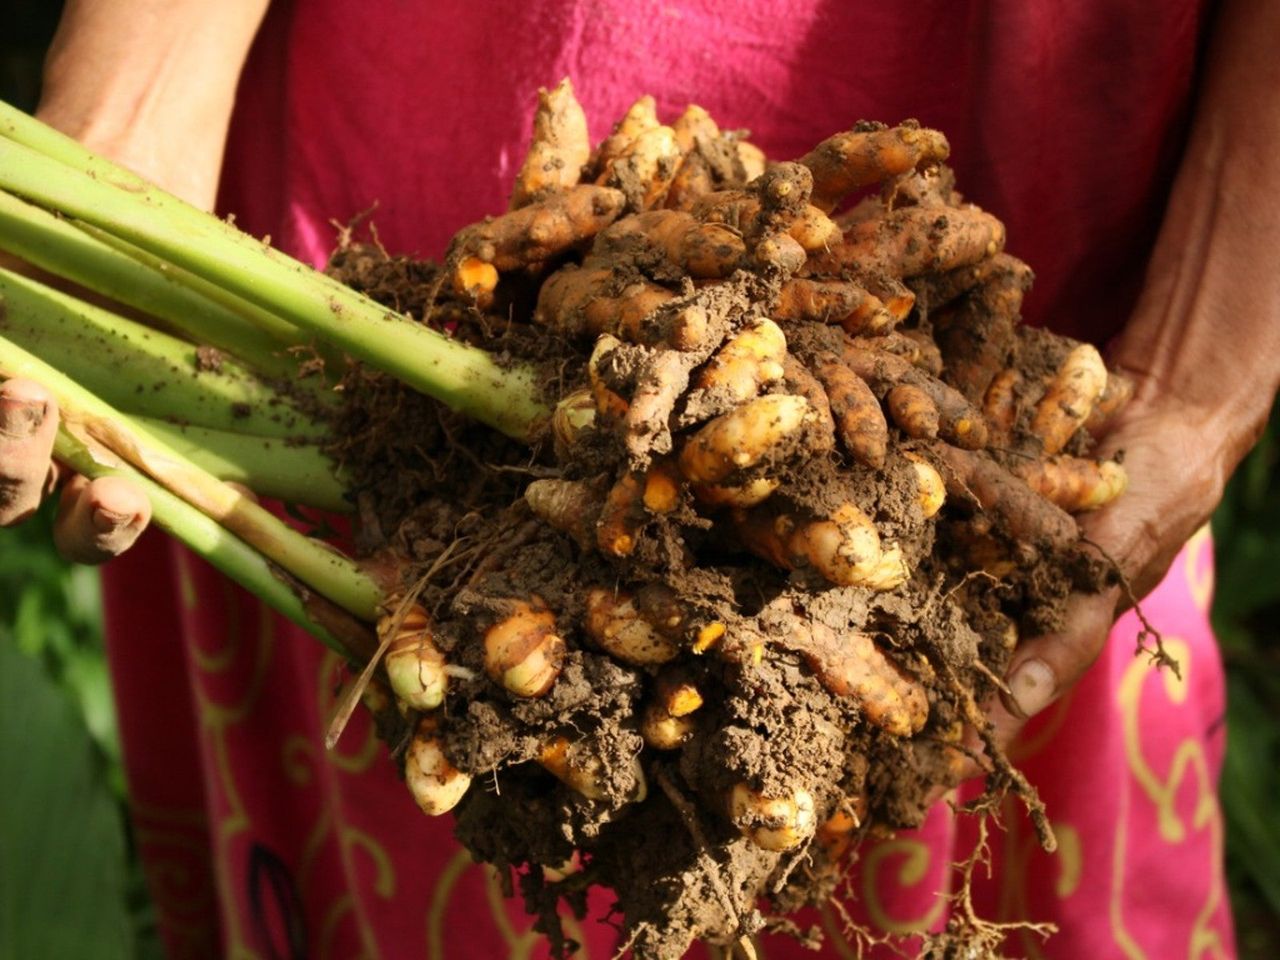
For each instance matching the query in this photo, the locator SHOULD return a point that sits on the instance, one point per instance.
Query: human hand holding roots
(807, 482)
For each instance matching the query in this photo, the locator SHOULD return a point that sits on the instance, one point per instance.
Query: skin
(151, 84)
(1203, 394)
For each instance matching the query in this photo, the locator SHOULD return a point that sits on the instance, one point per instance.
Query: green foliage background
(52, 670)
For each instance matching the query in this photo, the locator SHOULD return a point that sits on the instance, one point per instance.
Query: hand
(155, 94)
(1176, 477)
(97, 519)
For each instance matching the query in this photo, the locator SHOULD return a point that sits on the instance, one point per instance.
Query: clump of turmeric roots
(808, 482)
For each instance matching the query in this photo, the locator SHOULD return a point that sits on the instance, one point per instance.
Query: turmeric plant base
(444, 497)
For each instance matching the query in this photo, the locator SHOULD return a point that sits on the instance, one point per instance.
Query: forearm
(1206, 334)
(151, 83)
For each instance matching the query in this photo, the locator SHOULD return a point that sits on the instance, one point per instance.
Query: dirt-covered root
(807, 482)
(870, 153)
(560, 148)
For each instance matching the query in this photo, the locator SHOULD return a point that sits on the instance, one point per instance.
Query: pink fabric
(1065, 121)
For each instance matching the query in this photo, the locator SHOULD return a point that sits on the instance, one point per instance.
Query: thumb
(1043, 668)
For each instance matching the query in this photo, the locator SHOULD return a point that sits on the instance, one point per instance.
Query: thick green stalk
(324, 570)
(463, 377)
(148, 284)
(205, 537)
(293, 472)
(142, 370)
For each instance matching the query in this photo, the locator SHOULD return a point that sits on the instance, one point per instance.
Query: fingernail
(20, 419)
(108, 520)
(1031, 687)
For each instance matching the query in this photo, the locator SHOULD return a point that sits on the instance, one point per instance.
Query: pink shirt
(1065, 120)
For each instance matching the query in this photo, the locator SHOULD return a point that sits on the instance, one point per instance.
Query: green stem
(133, 277)
(293, 472)
(324, 570)
(81, 186)
(206, 538)
(142, 370)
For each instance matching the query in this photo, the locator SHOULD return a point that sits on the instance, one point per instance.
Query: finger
(99, 519)
(1043, 668)
(28, 422)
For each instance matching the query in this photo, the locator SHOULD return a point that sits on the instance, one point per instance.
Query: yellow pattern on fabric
(176, 847)
(363, 758)
(186, 585)
(220, 660)
(215, 719)
(913, 870)
(1019, 848)
(1025, 746)
(440, 898)
(520, 943)
(384, 885)
(1205, 815)
(836, 935)
(1071, 859)
(314, 845)
(301, 758)
(301, 750)
(1124, 940)
(338, 910)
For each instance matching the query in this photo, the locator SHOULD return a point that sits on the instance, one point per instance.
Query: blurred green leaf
(1246, 617)
(1251, 781)
(62, 851)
